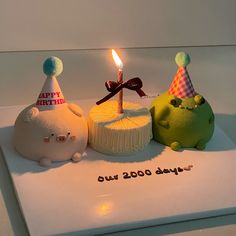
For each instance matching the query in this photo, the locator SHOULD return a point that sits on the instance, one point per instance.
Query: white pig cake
(51, 129)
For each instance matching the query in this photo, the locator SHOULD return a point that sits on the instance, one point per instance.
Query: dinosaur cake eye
(199, 99)
(173, 102)
(202, 100)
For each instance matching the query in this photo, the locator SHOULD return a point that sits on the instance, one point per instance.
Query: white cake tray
(68, 198)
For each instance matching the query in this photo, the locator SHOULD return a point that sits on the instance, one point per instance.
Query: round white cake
(52, 135)
(119, 134)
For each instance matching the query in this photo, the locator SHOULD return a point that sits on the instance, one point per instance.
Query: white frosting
(32, 127)
(120, 134)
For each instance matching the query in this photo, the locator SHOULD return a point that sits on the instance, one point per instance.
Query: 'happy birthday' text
(52, 98)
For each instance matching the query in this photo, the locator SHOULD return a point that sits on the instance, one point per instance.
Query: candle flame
(117, 59)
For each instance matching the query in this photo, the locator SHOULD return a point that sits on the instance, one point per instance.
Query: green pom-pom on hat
(52, 66)
(182, 59)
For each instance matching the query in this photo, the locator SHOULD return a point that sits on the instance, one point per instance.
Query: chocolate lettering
(126, 175)
(148, 172)
(159, 171)
(133, 174)
(100, 179)
(140, 173)
(116, 177)
(180, 169)
(166, 171)
(188, 168)
(174, 170)
(109, 178)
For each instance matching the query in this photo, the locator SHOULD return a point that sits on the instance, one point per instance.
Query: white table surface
(210, 63)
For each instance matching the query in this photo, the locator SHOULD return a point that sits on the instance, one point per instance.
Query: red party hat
(182, 86)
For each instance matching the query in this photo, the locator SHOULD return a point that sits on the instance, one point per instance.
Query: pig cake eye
(72, 137)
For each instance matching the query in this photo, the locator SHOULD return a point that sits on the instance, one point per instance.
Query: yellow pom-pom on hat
(182, 59)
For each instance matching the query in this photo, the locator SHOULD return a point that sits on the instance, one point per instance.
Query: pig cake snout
(61, 138)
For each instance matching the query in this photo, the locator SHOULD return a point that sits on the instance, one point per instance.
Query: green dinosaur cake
(182, 118)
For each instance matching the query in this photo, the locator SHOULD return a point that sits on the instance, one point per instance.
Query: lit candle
(119, 65)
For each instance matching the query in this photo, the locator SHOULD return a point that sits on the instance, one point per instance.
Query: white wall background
(76, 24)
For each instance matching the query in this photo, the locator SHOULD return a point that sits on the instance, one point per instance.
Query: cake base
(72, 199)
(119, 134)
(88, 199)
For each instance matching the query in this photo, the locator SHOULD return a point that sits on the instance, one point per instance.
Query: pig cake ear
(31, 114)
(75, 109)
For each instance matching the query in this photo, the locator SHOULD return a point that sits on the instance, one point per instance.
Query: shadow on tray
(21, 165)
(152, 150)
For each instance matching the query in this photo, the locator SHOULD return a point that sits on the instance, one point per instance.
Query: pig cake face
(52, 135)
